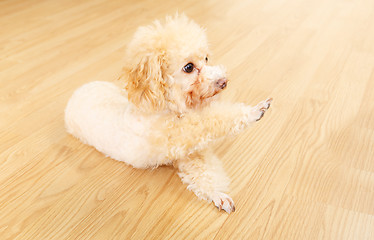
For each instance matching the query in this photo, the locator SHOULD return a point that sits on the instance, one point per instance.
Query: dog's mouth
(221, 84)
(214, 93)
(196, 97)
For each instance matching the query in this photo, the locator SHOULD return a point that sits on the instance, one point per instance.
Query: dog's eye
(206, 59)
(188, 68)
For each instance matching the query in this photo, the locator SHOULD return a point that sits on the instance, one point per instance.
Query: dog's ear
(146, 82)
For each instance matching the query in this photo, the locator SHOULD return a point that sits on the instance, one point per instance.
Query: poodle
(168, 112)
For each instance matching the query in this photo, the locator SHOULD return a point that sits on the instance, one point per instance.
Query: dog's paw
(262, 107)
(223, 201)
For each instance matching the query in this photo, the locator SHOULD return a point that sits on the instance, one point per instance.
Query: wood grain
(306, 171)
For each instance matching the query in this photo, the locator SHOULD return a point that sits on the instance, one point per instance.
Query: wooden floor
(306, 171)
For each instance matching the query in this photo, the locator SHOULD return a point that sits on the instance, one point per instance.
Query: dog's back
(100, 115)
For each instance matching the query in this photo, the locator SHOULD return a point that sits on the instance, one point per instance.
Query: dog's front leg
(237, 117)
(195, 131)
(206, 178)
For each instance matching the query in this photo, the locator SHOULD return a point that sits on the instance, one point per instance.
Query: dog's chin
(194, 101)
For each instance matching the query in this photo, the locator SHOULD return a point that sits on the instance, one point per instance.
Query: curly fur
(164, 115)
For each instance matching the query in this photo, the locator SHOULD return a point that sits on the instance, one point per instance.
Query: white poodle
(168, 112)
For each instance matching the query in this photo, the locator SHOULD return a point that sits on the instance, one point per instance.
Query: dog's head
(167, 67)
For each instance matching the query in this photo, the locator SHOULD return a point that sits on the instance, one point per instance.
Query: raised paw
(223, 201)
(262, 107)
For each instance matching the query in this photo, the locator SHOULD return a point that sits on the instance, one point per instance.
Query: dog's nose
(222, 83)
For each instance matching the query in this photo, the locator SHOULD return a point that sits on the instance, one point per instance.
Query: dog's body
(100, 115)
(168, 113)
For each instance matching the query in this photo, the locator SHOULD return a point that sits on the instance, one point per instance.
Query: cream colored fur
(164, 115)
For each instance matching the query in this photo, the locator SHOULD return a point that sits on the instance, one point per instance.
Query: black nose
(222, 83)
